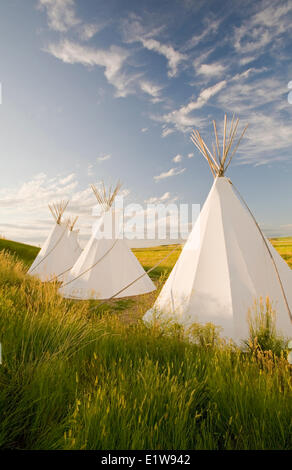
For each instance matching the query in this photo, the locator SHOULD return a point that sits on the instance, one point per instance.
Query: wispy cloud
(174, 58)
(211, 70)
(177, 158)
(166, 131)
(90, 170)
(262, 28)
(134, 31)
(88, 31)
(104, 157)
(262, 103)
(47, 189)
(112, 60)
(156, 199)
(61, 14)
(151, 89)
(210, 27)
(181, 118)
(169, 173)
(68, 178)
(29, 219)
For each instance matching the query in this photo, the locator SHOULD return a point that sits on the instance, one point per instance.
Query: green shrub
(263, 333)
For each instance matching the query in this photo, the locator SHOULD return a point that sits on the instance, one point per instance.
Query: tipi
(72, 248)
(226, 263)
(59, 252)
(107, 265)
(73, 243)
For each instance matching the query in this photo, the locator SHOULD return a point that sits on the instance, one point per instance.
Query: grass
(74, 377)
(26, 253)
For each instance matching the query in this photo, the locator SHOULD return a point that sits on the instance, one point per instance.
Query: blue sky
(108, 89)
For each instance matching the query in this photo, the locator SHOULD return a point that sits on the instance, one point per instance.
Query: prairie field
(91, 375)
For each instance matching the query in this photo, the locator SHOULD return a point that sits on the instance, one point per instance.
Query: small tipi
(107, 268)
(59, 252)
(227, 263)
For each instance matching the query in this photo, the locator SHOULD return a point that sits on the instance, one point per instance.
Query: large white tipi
(107, 268)
(227, 263)
(59, 252)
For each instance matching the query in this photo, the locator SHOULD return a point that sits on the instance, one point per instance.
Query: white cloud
(61, 14)
(177, 158)
(191, 155)
(112, 60)
(134, 31)
(246, 60)
(211, 26)
(87, 31)
(106, 156)
(47, 190)
(167, 131)
(211, 70)
(90, 171)
(169, 173)
(181, 118)
(262, 28)
(157, 200)
(68, 178)
(144, 129)
(174, 58)
(27, 217)
(151, 89)
(262, 102)
(201, 57)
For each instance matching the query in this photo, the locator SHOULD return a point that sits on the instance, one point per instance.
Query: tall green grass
(77, 378)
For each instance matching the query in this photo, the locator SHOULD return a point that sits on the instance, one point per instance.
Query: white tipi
(73, 243)
(72, 248)
(107, 268)
(58, 253)
(226, 263)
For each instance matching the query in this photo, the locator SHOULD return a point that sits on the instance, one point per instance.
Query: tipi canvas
(57, 254)
(226, 264)
(73, 243)
(107, 268)
(72, 248)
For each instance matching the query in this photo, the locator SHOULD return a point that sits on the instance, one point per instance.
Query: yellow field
(284, 247)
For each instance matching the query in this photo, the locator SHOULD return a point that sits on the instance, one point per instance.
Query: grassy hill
(26, 253)
(78, 376)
